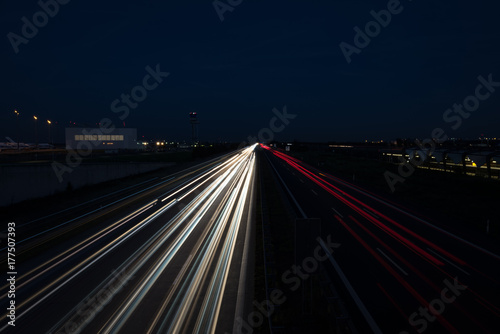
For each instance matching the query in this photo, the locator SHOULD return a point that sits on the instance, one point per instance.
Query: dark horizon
(262, 56)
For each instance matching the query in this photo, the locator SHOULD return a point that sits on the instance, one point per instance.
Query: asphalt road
(402, 273)
(173, 254)
(164, 256)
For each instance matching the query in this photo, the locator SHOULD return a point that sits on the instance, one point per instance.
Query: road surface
(163, 256)
(404, 273)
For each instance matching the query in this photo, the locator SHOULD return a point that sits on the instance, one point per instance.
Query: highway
(163, 256)
(172, 254)
(399, 272)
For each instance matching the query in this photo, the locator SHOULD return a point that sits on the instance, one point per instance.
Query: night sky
(263, 55)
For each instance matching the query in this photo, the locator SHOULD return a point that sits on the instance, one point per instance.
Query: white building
(101, 139)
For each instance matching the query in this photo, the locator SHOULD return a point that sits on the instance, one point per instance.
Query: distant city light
(345, 146)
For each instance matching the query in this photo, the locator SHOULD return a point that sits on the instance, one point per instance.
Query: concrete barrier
(21, 182)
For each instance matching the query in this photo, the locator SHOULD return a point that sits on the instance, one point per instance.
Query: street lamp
(49, 122)
(36, 132)
(17, 121)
